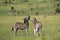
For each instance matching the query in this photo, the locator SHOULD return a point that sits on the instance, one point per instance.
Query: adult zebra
(37, 26)
(21, 26)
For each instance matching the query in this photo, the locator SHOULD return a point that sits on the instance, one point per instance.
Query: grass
(50, 30)
(51, 23)
(47, 7)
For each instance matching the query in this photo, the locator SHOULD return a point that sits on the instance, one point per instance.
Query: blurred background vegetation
(29, 7)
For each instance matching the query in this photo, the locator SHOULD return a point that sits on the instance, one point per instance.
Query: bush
(58, 4)
(57, 10)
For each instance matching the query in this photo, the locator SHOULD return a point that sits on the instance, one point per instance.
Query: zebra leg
(15, 31)
(27, 31)
(34, 32)
(40, 32)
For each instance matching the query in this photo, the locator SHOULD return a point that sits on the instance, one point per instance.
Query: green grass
(47, 7)
(51, 24)
(50, 29)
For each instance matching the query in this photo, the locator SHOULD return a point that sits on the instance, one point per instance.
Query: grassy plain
(50, 29)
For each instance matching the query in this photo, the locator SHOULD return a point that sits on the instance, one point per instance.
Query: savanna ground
(51, 23)
(50, 30)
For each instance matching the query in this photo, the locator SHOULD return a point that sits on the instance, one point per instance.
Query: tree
(57, 10)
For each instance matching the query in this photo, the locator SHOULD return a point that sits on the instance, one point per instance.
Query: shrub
(57, 10)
